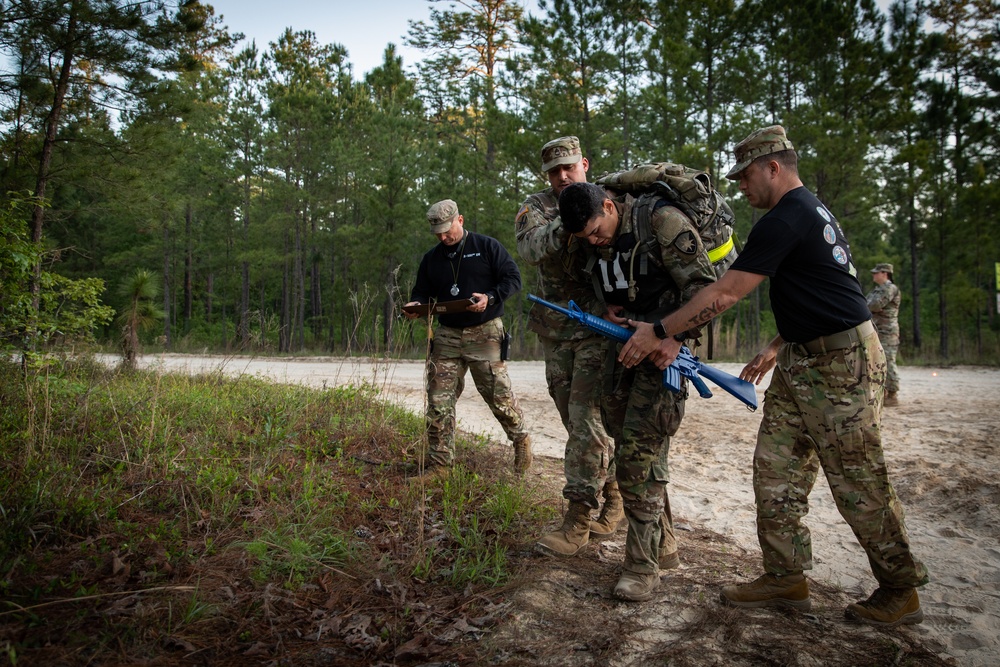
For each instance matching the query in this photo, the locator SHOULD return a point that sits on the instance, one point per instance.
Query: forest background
(265, 199)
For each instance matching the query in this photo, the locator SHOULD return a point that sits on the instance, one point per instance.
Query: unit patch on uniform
(823, 213)
(686, 243)
(840, 255)
(522, 216)
(829, 235)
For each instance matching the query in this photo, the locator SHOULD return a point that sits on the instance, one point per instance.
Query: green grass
(165, 510)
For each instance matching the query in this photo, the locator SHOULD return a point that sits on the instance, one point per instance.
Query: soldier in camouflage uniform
(467, 265)
(883, 302)
(638, 411)
(823, 407)
(574, 355)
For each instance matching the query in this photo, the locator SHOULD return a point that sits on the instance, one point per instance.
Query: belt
(840, 340)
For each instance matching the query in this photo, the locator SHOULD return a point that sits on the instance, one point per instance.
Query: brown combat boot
(887, 607)
(612, 514)
(636, 586)
(572, 536)
(522, 455)
(891, 398)
(770, 590)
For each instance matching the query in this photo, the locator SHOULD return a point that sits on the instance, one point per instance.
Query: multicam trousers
(455, 351)
(641, 415)
(825, 410)
(891, 374)
(574, 374)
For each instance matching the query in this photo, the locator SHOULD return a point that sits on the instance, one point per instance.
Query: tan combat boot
(636, 586)
(887, 607)
(522, 455)
(612, 514)
(573, 536)
(891, 398)
(770, 590)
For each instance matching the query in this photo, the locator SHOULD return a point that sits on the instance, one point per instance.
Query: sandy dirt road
(941, 444)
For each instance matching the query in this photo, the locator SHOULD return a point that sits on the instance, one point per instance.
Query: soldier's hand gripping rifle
(686, 364)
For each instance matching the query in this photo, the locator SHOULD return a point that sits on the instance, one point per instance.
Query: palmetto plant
(139, 313)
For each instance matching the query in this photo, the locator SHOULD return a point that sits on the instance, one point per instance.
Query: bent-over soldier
(638, 411)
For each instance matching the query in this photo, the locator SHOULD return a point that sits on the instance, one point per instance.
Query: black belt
(840, 340)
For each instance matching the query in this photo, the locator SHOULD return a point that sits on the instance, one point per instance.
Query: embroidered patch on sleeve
(686, 243)
(522, 216)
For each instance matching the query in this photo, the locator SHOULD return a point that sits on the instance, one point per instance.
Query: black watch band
(660, 332)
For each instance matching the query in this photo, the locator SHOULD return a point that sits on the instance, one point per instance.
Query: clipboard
(440, 307)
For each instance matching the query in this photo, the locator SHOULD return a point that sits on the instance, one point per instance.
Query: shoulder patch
(522, 215)
(686, 243)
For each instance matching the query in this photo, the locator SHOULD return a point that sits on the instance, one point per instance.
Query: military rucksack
(689, 190)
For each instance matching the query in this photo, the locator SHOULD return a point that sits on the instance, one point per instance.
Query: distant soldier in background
(883, 301)
(573, 354)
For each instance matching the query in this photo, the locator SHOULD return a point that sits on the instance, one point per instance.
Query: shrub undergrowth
(207, 514)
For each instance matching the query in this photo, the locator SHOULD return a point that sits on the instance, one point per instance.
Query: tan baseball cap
(762, 142)
(441, 215)
(564, 150)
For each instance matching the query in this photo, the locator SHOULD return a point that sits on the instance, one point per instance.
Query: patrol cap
(883, 267)
(441, 215)
(769, 140)
(564, 150)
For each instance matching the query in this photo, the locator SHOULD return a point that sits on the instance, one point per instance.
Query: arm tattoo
(707, 313)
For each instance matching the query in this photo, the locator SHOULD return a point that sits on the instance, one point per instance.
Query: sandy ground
(941, 444)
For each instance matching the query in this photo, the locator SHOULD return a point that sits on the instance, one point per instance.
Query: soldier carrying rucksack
(641, 279)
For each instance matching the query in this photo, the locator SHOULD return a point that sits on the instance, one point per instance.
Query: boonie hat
(883, 267)
(769, 140)
(441, 215)
(564, 150)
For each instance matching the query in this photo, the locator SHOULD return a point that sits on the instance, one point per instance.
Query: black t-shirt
(814, 288)
(483, 266)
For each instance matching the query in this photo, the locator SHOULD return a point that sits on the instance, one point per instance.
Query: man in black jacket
(466, 265)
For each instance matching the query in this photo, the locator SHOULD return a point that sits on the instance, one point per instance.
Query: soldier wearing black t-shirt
(823, 407)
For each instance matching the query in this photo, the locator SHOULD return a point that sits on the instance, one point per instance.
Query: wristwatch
(490, 299)
(660, 332)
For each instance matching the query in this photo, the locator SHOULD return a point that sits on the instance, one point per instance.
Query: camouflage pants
(454, 351)
(573, 372)
(891, 374)
(641, 415)
(825, 410)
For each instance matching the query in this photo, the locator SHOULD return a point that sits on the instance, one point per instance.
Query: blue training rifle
(686, 364)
